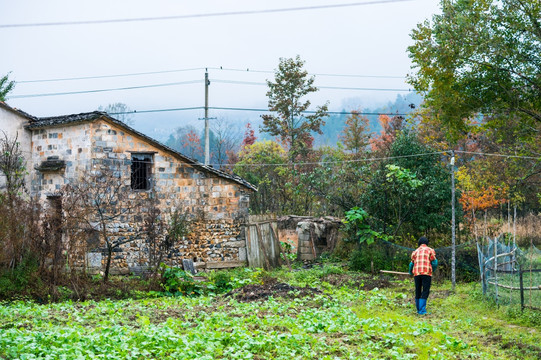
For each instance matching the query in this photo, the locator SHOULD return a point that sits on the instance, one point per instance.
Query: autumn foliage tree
(390, 128)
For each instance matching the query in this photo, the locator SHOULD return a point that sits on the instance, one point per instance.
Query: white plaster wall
(13, 125)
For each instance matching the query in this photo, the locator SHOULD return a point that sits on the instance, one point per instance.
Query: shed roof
(73, 119)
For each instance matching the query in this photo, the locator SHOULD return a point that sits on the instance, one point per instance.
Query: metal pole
(496, 267)
(521, 291)
(453, 234)
(207, 140)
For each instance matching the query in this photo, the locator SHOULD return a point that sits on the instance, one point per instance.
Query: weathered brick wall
(216, 206)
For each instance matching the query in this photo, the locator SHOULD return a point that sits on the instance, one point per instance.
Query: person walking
(423, 263)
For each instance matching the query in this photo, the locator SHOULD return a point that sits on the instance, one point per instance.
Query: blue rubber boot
(422, 307)
(417, 304)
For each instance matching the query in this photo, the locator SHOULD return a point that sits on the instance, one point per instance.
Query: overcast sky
(366, 39)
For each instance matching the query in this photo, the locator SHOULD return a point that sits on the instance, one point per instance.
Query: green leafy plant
(289, 251)
(356, 221)
(176, 281)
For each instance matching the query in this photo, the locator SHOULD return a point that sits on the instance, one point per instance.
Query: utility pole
(207, 131)
(453, 235)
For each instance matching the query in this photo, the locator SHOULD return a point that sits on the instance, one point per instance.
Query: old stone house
(59, 149)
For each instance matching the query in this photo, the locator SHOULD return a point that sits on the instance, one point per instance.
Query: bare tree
(12, 165)
(102, 201)
(119, 111)
(226, 141)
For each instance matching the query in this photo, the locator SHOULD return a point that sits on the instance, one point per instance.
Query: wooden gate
(262, 245)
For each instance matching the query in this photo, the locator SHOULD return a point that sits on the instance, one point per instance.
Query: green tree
(264, 164)
(480, 56)
(355, 135)
(409, 194)
(286, 102)
(6, 86)
(338, 182)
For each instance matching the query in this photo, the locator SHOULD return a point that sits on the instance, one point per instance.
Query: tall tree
(5, 86)
(480, 56)
(286, 102)
(355, 135)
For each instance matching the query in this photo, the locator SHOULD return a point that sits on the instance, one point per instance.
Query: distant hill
(334, 124)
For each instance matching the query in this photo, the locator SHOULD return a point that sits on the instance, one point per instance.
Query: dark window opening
(141, 171)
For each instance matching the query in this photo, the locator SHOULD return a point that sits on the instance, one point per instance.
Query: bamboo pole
(394, 272)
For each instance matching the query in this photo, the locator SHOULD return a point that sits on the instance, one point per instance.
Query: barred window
(141, 171)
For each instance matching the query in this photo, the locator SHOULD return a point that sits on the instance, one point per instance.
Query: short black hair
(423, 240)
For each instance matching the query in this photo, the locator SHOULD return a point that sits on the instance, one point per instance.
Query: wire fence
(510, 275)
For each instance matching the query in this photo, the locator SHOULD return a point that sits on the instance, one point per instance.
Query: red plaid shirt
(421, 260)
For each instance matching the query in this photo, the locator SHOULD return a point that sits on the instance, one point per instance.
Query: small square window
(141, 171)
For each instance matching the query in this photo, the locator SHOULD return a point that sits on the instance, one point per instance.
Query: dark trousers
(422, 286)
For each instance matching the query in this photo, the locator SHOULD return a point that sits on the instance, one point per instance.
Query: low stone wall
(211, 242)
(314, 235)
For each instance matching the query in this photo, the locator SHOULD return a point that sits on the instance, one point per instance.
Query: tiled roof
(53, 121)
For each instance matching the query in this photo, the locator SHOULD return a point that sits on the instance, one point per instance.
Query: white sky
(365, 40)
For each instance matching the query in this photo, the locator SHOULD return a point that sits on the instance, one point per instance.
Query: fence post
(521, 291)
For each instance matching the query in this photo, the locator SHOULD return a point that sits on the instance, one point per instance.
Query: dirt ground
(360, 281)
(256, 292)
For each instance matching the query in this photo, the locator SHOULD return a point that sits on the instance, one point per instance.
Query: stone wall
(70, 144)
(314, 235)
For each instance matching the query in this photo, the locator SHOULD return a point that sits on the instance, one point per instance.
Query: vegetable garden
(326, 312)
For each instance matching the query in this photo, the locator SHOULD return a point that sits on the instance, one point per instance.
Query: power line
(238, 82)
(108, 76)
(196, 69)
(204, 15)
(250, 109)
(105, 90)
(185, 83)
(317, 74)
(499, 155)
(338, 161)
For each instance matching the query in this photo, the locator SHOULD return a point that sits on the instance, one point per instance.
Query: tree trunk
(108, 264)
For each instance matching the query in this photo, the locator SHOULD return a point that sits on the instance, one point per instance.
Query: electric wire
(499, 155)
(21, 96)
(104, 90)
(108, 76)
(202, 15)
(248, 70)
(198, 69)
(239, 82)
(252, 109)
(338, 161)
